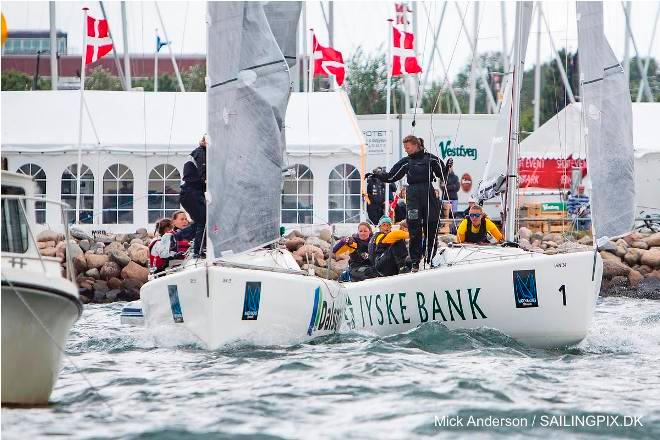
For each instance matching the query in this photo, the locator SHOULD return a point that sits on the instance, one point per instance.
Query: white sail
(494, 179)
(607, 112)
(249, 86)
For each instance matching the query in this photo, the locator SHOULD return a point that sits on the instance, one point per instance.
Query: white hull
(31, 356)
(269, 307)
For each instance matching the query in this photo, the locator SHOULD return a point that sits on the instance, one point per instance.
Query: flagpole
(388, 147)
(80, 113)
(156, 63)
(310, 81)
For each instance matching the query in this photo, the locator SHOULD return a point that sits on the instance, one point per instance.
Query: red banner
(548, 173)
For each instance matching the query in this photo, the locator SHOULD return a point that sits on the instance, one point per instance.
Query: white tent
(563, 135)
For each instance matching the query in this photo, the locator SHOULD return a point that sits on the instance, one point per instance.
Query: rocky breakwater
(107, 268)
(313, 253)
(631, 266)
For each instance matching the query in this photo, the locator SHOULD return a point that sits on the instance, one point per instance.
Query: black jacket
(453, 185)
(419, 168)
(194, 171)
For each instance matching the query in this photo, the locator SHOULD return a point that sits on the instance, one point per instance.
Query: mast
(80, 114)
(388, 143)
(53, 47)
(537, 70)
(127, 58)
(512, 166)
(120, 71)
(169, 49)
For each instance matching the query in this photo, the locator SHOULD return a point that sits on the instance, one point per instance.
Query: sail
(248, 91)
(494, 178)
(282, 18)
(607, 112)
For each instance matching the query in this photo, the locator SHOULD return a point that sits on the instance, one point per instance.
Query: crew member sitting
(163, 248)
(183, 231)
(357, 245)
(387, 249)
(475, 228)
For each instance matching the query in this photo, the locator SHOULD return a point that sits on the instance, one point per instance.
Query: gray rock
(85, 245)
(83, 297)
(94, 273)
(112, 295)
(525, 233)
(608, 246)
(551, 244)
(99, 296)
(524, 244)
(141, 232)
(553, 236)
(536, 236)
(80, 234)
(120, 257)
(122, 238)
(110, 270)
(136, 241)
(48, 235)
(105, 239)
(586, 240)
(114, 246)
(325, 235)
(114, 283)
(139, 253)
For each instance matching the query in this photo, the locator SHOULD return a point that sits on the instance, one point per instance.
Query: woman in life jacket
(162, 249)
(475, 227)
(387, 249)
(357, 245)
(184, 232)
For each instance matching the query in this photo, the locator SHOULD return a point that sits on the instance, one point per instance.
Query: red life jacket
(156, 262)
(182, 246)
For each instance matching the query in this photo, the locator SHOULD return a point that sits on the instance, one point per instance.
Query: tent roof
(562, 135)
(47, 121)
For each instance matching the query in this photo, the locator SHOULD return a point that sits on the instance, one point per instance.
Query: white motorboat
(39, 305)
(262, 297)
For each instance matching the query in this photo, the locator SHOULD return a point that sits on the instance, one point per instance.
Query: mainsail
(494, 178)
(607, 112)
(249, 86)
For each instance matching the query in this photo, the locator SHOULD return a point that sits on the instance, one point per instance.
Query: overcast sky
(356, 24)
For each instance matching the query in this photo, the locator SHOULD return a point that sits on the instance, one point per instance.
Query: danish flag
(98, 40)
(403, 53)
(328, 61)
(401, 10)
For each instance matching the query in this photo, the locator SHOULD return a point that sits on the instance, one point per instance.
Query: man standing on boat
(192, 193)
(423, 207)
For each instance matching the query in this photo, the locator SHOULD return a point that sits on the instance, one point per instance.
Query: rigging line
(57, 345)
(419, 84)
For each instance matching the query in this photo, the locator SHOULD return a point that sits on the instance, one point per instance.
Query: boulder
(99, 297)
(652, 240)
(114, 283)
(619, 280)
(551, 251)
(84, 283)
(112, 295)
(608, 246)
(654, 274)
(48, 252)
(114, 246)
(537, 249)
(298, 259)
(45, 244)
(586, 240)
(80, 263)
(525, 233)
(620, 251)
(136, 241)
(104, 239)
(310, 254)
(141, 233)
(536, 243)
(293, 244)
(645, 270)
(122, 238)
(634, 278)
(639, 244)
(325, 235)
(139, 253)
(95, 260)
(449, 238)
(536, 236)
(524, 244)
(632, 256)
(319, 243)
(651, 258)
(120, 257)
(551, 244)
(110, 270)
(321, 272)
(609, 256)
(339, 266)
(649, 288)
(48, 235)
(93, 273)
(612, 269)
(130, 290)
(569, 246)
(553, 236)
(80, 234)
(135, 272)
(83, 296)
(295, 233)
(101, 286)
(85, 245)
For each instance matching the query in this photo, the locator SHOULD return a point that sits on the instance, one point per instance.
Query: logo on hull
(325, 315)
(251, 300)
(524, 289)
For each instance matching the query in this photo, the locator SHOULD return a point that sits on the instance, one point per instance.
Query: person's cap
(384, 219)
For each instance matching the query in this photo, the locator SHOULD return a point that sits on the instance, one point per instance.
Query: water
(153, 386)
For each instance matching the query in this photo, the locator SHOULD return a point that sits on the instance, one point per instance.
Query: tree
(636, 79)
(101, 79)
(13, 80)
(194, 78)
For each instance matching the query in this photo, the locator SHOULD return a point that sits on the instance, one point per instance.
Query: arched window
(118, 194)
(297, 196)
(86, 205)
(344, 194)
(164, 186)
(39, 176)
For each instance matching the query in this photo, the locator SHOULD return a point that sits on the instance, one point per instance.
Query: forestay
(494, 179)
(607, 113)
(249, 86)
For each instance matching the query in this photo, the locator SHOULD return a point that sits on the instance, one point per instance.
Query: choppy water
(151, 386)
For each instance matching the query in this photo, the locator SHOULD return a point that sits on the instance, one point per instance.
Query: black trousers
(422, 218)
(389, 262)
(194, 203)
(361, 273)
(375, 211)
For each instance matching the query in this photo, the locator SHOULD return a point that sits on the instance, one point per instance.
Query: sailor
(192, 192)
(423, 207)
(184, 232)
(375, 196)
(475, 228)
(357, 245)
(471, 202)
(387, 249)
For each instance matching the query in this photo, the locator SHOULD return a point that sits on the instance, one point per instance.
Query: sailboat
(245, 292)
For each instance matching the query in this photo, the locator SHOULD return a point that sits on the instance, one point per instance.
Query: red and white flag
(401, 10)
(328, 61)
(404, 60)
(98, 40)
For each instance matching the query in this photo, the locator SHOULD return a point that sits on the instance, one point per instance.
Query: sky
(357, 23)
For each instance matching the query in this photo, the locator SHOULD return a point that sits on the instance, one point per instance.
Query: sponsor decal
(524, 288)
(251, 300)
(466, 182)
(395, 308)
(326, 314)
(175, 305)
(376, 141)
(446, 150)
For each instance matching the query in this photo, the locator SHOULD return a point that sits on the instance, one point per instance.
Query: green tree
(16, 81)
(194, 78)
(636, 79)
(101, 79)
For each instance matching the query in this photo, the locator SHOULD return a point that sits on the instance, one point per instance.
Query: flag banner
(548, 173)
(404, 60)
(160, 43)
(98, 40)
(401, 10)
(328, 61)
